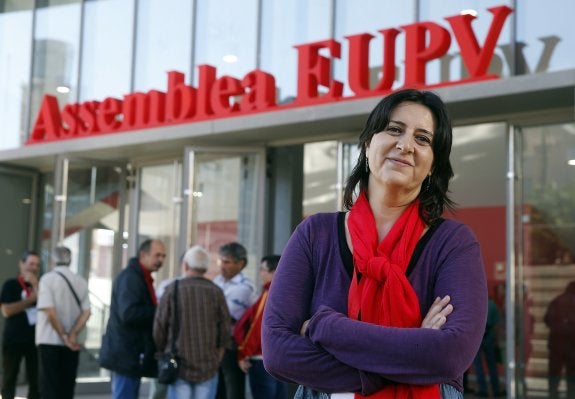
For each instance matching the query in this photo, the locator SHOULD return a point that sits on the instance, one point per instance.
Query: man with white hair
(63, 310)
(203, 328)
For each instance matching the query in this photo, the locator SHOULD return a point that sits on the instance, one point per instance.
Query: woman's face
(401, 156)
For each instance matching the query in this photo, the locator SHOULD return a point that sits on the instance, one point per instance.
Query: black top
(17, 330)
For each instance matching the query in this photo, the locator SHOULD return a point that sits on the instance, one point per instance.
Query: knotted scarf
(382, 294)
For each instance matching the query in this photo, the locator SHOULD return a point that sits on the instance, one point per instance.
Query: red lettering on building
(418, 54)
(314, 70)
(48, 122)
(476, 58)
(180, 99)
(358, 69)
(218, 97)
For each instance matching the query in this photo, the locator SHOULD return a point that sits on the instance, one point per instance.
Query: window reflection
(56, 53)
(227, 40)
(320, 177)
(106, 49)
(160, 211)
(284, 25)
(15, 56)
(163, 42)
(548, 253)
(352, 19)
(546, 42)
(225, 205)
(478, 159)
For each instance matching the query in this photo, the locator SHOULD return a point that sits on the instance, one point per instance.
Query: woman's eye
(424, 139)
(393, 129)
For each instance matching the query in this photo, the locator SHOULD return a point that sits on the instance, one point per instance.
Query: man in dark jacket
(128, 346)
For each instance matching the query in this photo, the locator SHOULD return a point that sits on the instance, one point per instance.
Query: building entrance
(545, 266)
(224, 201)
(88, 216)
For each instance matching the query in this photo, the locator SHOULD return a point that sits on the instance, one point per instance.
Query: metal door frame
(188, 173)
(61, 175)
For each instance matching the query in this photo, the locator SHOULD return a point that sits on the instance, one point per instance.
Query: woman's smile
(399, 161)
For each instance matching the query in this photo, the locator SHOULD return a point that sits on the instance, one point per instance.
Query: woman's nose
(404, 144)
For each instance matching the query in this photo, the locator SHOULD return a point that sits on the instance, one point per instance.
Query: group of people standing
(194, 317)
(44, 320)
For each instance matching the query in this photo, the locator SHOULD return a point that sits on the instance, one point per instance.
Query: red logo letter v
(477, 59)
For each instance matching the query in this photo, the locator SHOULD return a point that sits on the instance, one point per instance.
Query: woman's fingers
(438, 312)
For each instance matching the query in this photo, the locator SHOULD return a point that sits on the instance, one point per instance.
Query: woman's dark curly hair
(433, 197)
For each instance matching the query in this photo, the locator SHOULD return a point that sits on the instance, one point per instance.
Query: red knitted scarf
(383, 295)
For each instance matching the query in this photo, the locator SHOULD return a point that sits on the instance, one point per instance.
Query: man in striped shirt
(203, 332)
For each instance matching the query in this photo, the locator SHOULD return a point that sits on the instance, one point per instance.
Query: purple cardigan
(344, 355)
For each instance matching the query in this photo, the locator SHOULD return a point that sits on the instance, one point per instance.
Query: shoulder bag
(168, 367)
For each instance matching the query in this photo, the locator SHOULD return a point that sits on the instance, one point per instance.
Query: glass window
(320, 193)
(547, 226)
(160, 211)
(15, 60)
(88, 215)
(163, 42)
(284, 25)
(450, 67)
(106, 49)
(479, 161)
(224, 39)
(349, 154)
(546, 37)
(352, 19)
(225, 204)
(56, 53)
(47, 216)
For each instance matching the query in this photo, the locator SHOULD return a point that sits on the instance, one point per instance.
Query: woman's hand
(437, 314)
(303, 328)
(434, 319)
(244, 364)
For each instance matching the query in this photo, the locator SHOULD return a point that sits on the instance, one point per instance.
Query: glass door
(223, 201)
(545, 268)
(88, 216)
(157, 209)
(348, 154)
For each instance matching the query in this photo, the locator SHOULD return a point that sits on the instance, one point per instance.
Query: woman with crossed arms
(387, 299)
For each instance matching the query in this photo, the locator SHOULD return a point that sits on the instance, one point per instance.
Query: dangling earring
(428, 184)
(366, 165)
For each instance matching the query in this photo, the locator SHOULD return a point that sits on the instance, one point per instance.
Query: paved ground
(89, 390)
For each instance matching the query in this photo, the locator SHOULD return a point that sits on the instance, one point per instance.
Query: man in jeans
(128, 348)
(202, 329)
(63, 310)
